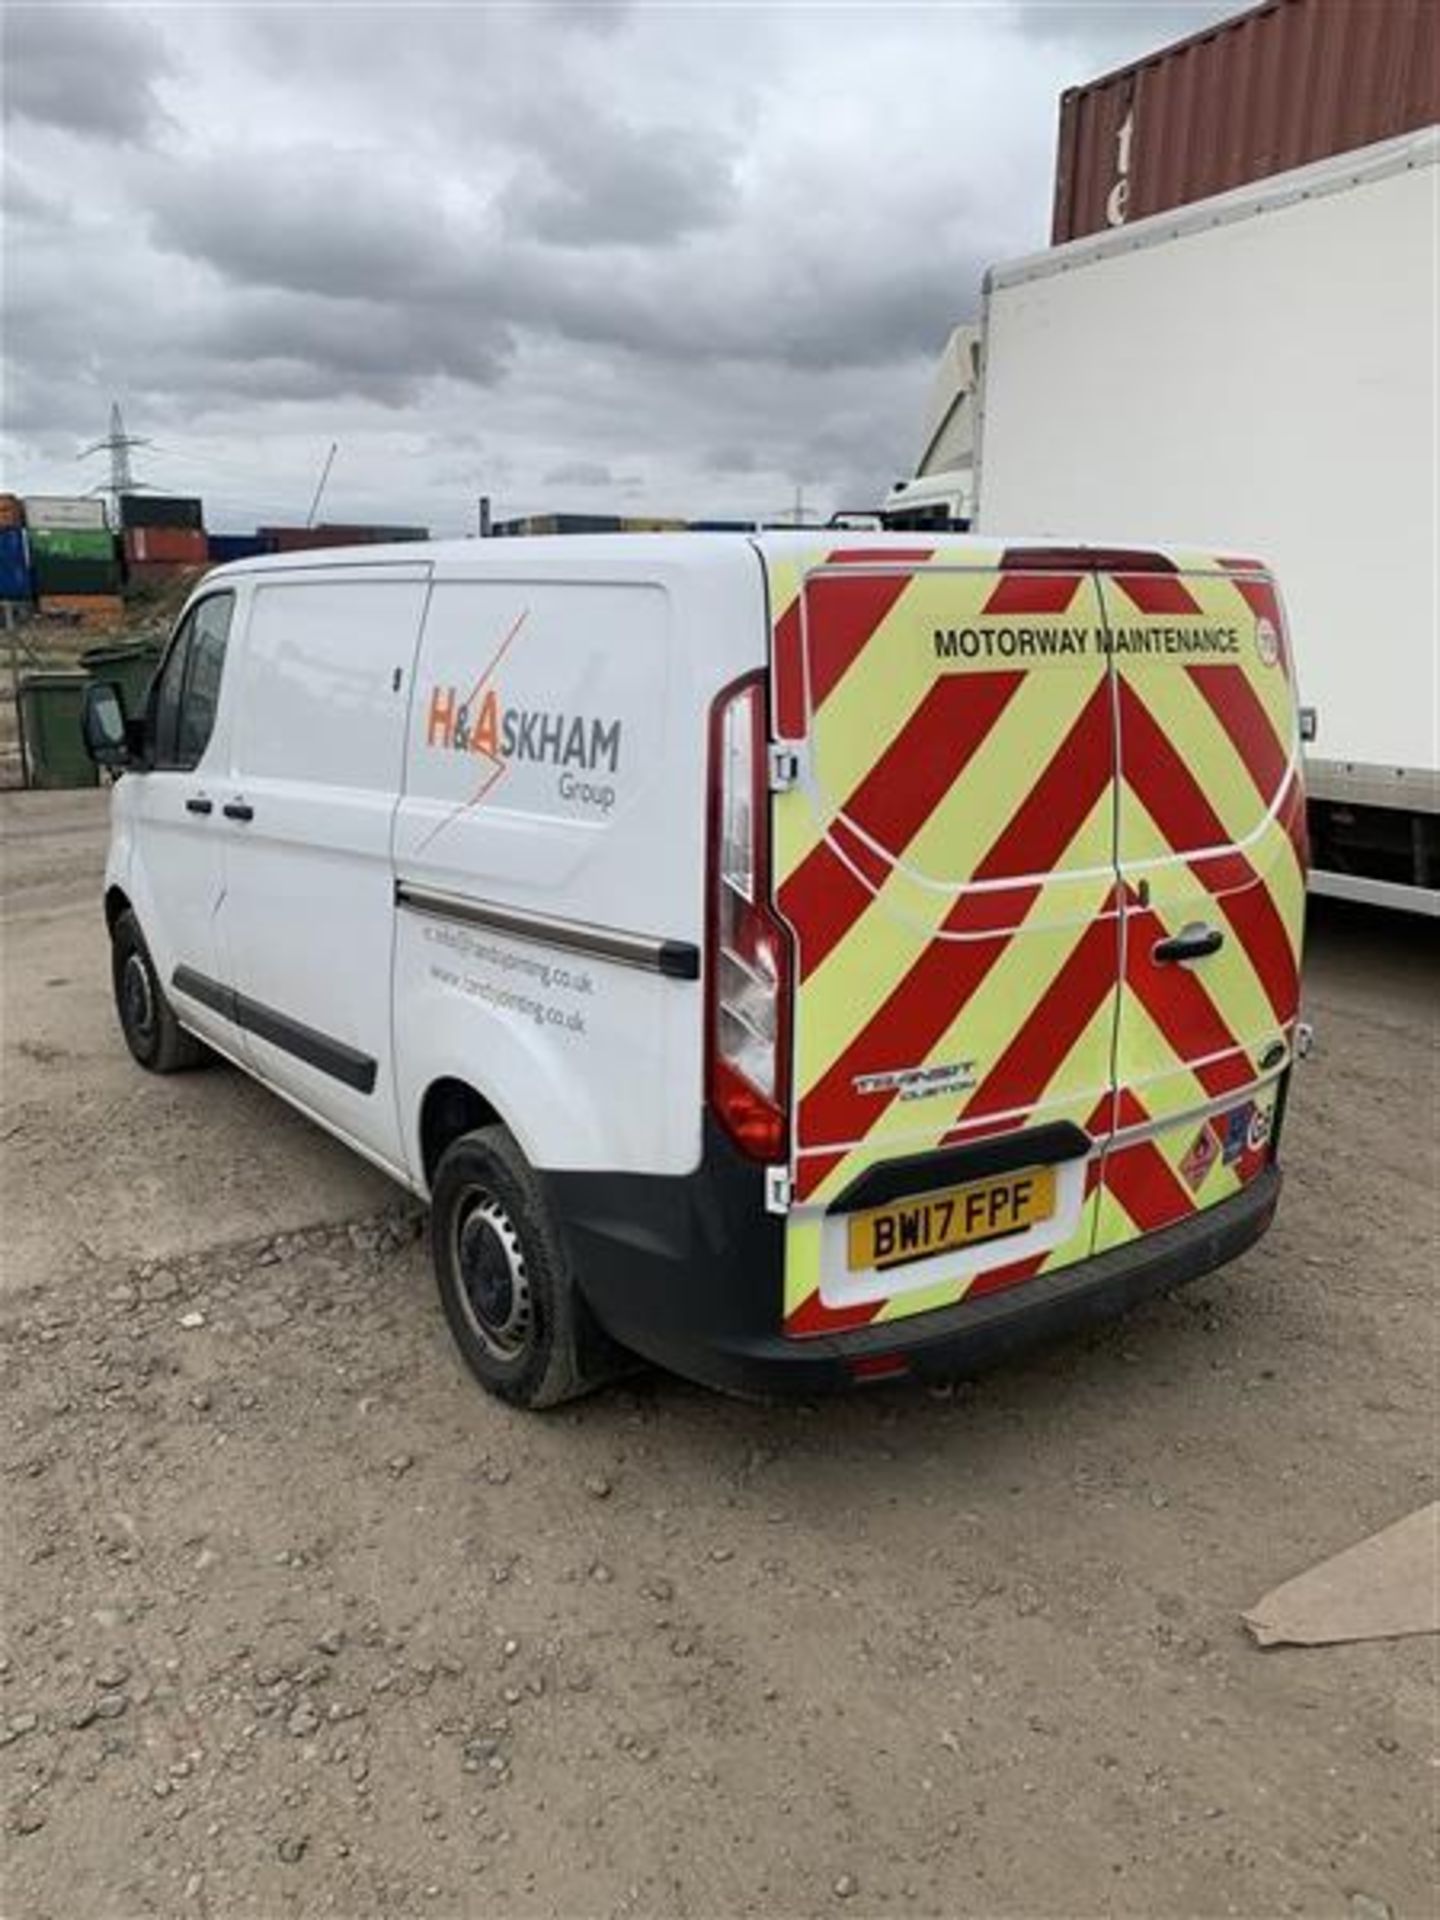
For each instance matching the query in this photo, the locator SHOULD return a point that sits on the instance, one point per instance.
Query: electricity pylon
(117, 443)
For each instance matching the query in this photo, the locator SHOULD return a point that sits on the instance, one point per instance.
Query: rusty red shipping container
(175, 546)
(1279, 86)
(159, 573)
(297, 539)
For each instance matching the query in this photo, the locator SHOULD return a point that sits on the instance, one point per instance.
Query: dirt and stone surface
(296, 1622)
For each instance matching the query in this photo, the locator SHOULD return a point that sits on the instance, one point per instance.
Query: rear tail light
(749, 948)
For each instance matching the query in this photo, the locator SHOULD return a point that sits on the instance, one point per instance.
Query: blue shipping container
(221, 547)
(15, 582)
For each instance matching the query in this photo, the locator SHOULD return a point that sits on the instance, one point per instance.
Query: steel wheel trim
(494, 1288)
(138, 997)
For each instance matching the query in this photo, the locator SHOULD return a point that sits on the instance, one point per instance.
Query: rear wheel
(505, 1280)
(152, 1033)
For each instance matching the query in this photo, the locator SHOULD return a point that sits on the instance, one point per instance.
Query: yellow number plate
(932, 1223)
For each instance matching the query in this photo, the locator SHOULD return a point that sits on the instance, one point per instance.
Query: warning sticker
(1204, 1151)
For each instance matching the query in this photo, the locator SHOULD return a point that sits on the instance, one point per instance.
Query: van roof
(670, 550)
(676, 553)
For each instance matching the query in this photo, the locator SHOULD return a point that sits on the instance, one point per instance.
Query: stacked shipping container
(15, 581)
(53, 511)
(161, 510)
(220, 547)
(14, 558)
(72, 565)
(1276, 87)
(162, 533)
(59, 548)
(298, 539)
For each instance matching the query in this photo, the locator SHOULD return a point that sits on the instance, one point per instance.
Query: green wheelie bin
(50, 707)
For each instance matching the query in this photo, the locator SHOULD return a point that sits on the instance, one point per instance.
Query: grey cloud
(730, 459)
(1117, 30)
(334, 227)
(86, 70)
(602, 182)
(347, 346)
(306, 221)
(22, 199)
(599, 17)
(580, 473)
(725, 271)
(844, 310)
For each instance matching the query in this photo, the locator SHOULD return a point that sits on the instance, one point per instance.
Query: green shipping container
(55, 573)
(50, 708)
(73, 543)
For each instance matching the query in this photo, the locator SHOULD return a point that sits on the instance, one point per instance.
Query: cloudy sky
(581, 256)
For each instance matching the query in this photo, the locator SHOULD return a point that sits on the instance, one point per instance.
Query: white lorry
(1260, 368)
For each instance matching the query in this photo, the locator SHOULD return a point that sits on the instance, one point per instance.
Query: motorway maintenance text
(1033, 643)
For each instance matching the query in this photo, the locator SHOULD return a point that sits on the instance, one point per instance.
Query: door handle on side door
(238, 810)
(197, 803)
(1193, 942)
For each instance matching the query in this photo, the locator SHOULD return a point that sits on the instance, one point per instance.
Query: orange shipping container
(176, 546)
(101, 611)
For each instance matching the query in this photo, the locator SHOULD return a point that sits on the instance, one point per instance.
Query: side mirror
(102, 725)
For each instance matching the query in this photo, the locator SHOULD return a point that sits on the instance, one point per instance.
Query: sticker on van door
(527, 702)
(585, 747)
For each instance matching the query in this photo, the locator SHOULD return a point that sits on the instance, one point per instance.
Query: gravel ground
(296, 1622)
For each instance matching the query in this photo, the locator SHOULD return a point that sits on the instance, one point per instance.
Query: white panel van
(799, 963)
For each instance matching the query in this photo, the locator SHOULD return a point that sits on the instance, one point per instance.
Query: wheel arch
(449, 1108)
(117, 901)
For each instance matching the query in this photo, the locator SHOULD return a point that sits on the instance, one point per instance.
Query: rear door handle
(238, 810)
(1191, 943)
(197, 803)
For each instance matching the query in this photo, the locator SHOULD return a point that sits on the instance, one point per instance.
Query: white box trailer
(1259, 371)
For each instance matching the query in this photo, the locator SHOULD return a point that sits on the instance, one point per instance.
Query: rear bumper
(687, 1272)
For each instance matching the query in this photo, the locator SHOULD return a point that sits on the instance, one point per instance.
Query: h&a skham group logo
(503, 735)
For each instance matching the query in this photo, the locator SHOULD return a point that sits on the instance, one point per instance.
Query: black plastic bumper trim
(333, 1057)
(688, 1271)
(951, 1166)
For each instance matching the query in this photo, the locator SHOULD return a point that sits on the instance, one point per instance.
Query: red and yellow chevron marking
(949, 869)
(951, 874)
(1210, 825)
(1155, 1175)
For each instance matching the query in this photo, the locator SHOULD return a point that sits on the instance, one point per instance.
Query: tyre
(505, 1280)
(147, 1019)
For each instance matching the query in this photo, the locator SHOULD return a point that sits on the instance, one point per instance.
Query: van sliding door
(318, 751)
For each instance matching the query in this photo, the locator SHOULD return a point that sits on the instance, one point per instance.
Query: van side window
(165, 699)
(188, 689)
(203, 669)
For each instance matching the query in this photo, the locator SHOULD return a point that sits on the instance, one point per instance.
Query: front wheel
(152, 1033)
(505, 1280)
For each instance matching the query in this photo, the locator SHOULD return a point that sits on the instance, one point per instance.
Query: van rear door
(945, 857)
(1211, 851)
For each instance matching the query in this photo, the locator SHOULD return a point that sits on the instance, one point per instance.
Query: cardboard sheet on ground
(1385, 1586)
